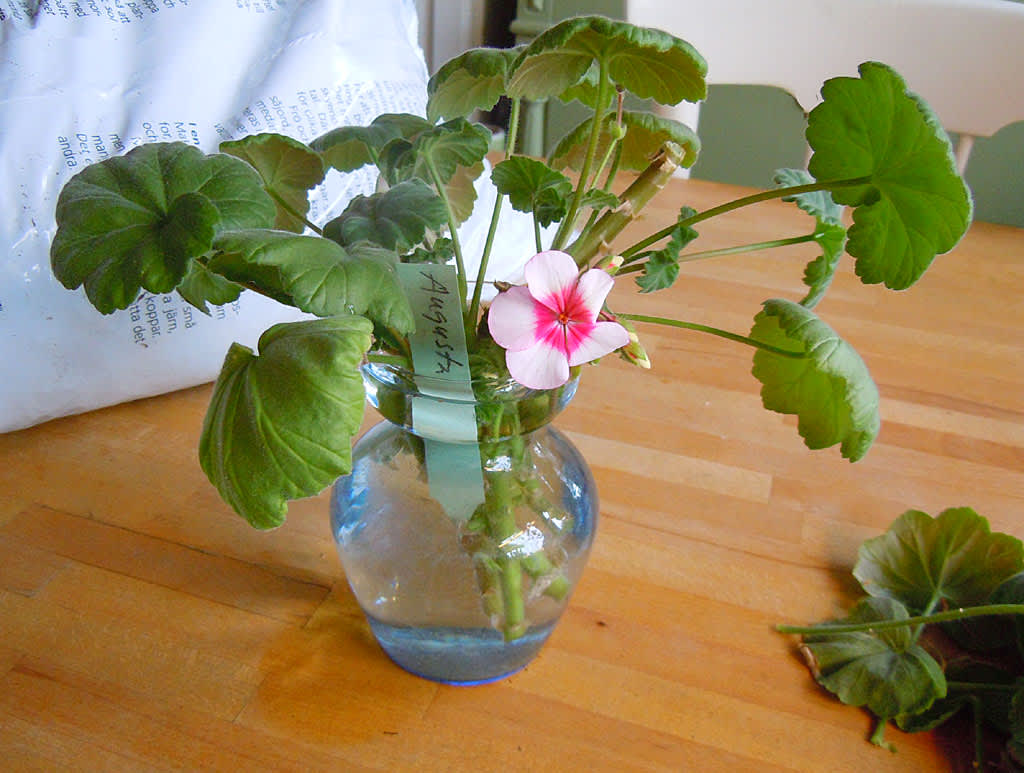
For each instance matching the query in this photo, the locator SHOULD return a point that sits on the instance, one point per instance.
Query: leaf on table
(316, 275)
(973, 680)
(533, 186)
(396, 218)
(913, 204)
(829, 389)
(136, 221)
(646, 134)
(649, 63)
(350, 147)
(474, 80)
(885, 671)
(201, 286)
(661, 269)
(289, 170)
(280, 424)
(922, 561)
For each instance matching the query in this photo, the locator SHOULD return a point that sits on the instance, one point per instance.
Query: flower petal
(591, 290)
(603, 338)
(551, 277)
(539, 367)
(512, 319)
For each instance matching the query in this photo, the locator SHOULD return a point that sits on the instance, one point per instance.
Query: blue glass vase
(463, 553)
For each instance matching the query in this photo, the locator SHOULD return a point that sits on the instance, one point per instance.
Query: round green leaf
(829, 389)
(280, 425)
(396, 218)
(649, 63)
(135, 221)
(884, 671)
(348, 148)
(289, 170)
(533, 186)
(921, 560)
(913, 205)
(316, 275)
(474, 80)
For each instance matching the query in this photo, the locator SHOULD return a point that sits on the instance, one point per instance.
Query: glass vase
(463, 550)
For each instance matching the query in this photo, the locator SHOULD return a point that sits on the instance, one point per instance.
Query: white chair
(965, 57)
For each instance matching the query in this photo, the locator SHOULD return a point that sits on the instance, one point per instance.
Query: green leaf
(662, 267)
(649, 63)
(646, 133)
(441, 149)
(921, 561)
(280, 425)
(201, 286)
(829, 233)
(316, 275)
(1011, 591)
(135, 221)
(969, 680)
(1015, 746)
(461, 191)
(587, 91)
(396, 219)
(441, 250)
(533, 186)
(350, 147)
(289, 170)
(818, 204)
(913, 205)
(595, 198)
(474, 80)
(886, 671)
(829, 390)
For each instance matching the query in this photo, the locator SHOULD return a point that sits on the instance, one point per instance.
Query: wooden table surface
(144, 626)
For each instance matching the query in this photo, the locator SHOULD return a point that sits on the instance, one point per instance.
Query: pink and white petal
(604, 338)
(551, 277)
(512, 319)
(591, 290)
(539, 367)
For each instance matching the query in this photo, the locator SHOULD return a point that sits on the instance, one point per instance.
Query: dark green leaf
(921, 560)
(396, 219)
(646, 62)
(441, 149)
(289, 170)
(474, 80)
(350, 147)
(646, 133)
(280, 425)
(135, 221)
(1011, 591)
(441, 251)
(201, 286)
(829, 390)
(532, 186)
(316, 275)
(662, 267)
(913, 204)
(885, 671)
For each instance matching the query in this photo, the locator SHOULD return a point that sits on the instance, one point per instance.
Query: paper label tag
(439, 353)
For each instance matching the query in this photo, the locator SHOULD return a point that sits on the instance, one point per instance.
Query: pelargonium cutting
(166, 217)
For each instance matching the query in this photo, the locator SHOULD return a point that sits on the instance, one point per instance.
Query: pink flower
(551, 324)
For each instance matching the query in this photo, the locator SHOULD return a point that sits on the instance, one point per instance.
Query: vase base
(458, 656)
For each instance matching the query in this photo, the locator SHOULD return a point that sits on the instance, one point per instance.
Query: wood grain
(145, 627)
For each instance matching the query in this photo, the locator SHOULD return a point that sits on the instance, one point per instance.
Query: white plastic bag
(81, 80)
